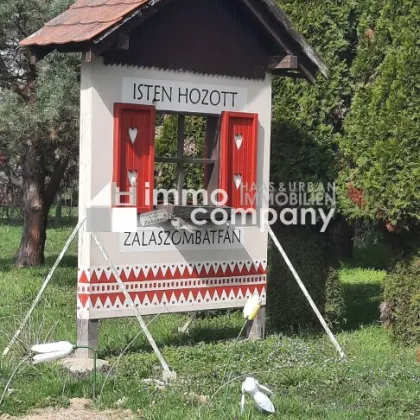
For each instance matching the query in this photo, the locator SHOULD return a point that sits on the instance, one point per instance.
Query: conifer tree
(380, 174)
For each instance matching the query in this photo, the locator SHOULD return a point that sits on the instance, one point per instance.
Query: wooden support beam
(286, 62)
(37, 54)
(88, 56)
(33, 59)
(255, 330)
(278, 39)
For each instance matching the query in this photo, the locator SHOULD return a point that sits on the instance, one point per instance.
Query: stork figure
(252, 387)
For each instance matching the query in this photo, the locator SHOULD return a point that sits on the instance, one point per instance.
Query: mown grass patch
(377, 380)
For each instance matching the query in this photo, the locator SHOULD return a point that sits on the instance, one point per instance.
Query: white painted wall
(102, 86)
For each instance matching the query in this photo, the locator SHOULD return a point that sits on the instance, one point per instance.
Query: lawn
(378, 379)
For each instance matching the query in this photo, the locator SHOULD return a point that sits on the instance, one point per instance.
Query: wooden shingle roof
(82, 22)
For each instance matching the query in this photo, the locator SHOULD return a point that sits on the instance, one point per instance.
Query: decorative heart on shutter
(132, 132)
(238, 140)
(237, 179)
(132, 177)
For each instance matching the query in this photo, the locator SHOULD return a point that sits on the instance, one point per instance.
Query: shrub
(402, 299)
(380, 146)
(286, 305)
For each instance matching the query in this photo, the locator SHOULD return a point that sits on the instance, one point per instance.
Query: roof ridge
(106, 4)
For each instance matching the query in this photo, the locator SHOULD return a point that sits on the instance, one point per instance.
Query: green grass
(377, 380)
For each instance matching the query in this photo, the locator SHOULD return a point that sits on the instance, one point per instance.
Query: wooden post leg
(88, 336)
(255, 330)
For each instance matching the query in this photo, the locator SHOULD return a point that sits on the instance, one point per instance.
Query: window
(185, 159)
(183, 152)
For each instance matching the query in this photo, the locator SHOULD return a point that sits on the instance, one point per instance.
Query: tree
(38, 117)
(308, 119)
(380, 175)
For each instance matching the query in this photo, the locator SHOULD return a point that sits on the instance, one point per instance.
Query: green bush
(286, 305)
(380, 170)
(402, 299)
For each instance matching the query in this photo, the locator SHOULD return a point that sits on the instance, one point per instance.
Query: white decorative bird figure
(51, 351)
(252, 387)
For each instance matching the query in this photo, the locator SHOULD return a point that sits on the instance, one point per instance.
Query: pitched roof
(82, 22)
(88, 21)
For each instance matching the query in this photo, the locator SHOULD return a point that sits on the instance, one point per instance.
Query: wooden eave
(274, 21)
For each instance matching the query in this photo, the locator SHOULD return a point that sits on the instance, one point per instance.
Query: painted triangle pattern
(176, 297)
(165, 285)
(174, 271)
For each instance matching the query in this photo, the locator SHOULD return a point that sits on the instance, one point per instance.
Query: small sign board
(154, 217)
(184, 97)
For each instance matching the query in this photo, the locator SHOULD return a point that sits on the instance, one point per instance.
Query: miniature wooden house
(143, 58)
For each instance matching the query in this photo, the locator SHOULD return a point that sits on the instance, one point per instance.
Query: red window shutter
(134, 150)
(238, 158)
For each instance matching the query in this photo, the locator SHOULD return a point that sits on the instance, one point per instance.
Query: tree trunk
(54, 185)
(37, 200)
(31, 249)
(58, 211)
(340, 237)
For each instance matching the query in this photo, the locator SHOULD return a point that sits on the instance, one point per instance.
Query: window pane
(166, 146)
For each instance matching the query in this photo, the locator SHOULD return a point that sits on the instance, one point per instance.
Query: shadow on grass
(362, 303)
(172, 338)
(65, 222)
(377, 257)
(68, 261)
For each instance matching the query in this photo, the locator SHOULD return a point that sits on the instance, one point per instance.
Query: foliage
(52, 118)
(52, 115)
(38, 118)
(378, 380)
(307, 118)
(402, 297)
(381, 141)
(287, 306)
(166, 146)
(360, 127)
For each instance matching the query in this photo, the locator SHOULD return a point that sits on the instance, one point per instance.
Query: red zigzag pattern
(237, 286)
(198, 271)
(175, 296)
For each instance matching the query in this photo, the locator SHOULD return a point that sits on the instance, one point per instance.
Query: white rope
(305, 292)
(43, 287)
(133, 306)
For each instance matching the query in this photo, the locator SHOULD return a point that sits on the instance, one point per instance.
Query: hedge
(401, 309)
(287, 307)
